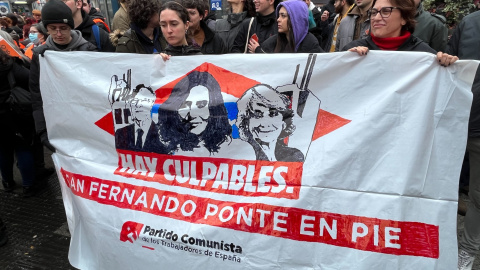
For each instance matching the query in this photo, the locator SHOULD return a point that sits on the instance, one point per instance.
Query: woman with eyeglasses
(392, 23)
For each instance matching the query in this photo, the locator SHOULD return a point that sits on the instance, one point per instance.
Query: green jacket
(431, 28)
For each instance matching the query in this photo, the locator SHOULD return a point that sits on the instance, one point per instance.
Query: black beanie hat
(55, 11)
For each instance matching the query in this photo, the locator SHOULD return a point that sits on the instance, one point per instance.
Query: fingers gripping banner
(329, 161)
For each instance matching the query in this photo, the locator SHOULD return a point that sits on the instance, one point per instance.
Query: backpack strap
(248, 34)
(96, 34)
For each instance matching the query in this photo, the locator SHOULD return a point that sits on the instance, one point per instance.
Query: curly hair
(141, 11)
(408, 10)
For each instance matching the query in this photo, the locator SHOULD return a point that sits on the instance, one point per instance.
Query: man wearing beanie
(57, 19)
(85, 24)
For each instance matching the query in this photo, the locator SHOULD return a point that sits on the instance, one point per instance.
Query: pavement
(38, 231)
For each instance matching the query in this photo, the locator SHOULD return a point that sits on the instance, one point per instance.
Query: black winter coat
(263, 26)
(412, 44)
(87, 33)
(134, 41)
(464, 44)
(181, 50)
(213, 44)
(308, 45)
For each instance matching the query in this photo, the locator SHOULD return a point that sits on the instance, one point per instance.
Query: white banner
(328, 161)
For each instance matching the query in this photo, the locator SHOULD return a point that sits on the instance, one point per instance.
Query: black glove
(45, 142)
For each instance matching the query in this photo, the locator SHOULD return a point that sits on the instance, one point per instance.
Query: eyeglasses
(385, 12)
(62, 29)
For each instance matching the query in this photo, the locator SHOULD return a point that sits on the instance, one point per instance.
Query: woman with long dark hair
(174, 24)
(194, 115)
(293, 35)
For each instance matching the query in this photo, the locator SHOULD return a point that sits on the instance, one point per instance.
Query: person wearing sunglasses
(392, 23)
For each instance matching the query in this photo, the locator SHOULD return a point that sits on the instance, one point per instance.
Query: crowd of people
(189, 27)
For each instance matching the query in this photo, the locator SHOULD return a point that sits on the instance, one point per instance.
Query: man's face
(60, 33)
(140, 109)
(74, 5)
(263, 7)
(266, 124)
(339, 6)
(86, 6)
(194, 17)
(363, 4)
(195, 109)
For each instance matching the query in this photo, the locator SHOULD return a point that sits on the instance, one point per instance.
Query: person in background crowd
(355, 25)
(392, 24)
(37, 15)
(26, 27)
(311, 21)
(57, 19)
(199, 35)
(38, 35)
(174, 24)
(330, 7)
(18, 130)
(121, 22)
(330, 31)
(6, 26)
(210, 17)
(262, 26)
(431, 28)
(293, 35)
(96, 16)
(13, 24)
(464, 43)
(87, 26)
(228, 28)
(144, 36)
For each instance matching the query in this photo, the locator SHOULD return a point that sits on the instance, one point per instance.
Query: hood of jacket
(86, 23)
(419, 9)
(298, 16)
(77, 41)
(236, 18)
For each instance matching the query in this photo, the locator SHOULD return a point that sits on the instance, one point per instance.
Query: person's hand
(325, 16)
(361, 50)
(252, 45)
(46, 142)
(165, 57)
(446, 59)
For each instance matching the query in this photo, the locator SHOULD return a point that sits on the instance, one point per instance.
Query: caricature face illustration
(195, 109)
(140, 107)
(266, 123)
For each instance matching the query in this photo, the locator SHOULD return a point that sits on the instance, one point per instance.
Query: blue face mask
(33, 37)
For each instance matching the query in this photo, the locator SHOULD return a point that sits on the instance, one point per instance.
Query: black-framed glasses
(385, 12)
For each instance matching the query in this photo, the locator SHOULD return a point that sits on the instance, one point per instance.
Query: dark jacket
(412, 44)
(181, 50)
(431, 28)
(87, 33)
(16, 128)
(308, 45)
(94, 14)
(134, 41)
(464, 44)
(78, 43)
(212, 44)
(228, 28)
(263, 26)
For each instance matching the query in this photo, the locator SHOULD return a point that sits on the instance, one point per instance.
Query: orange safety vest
(97, 20)
(29, 51)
